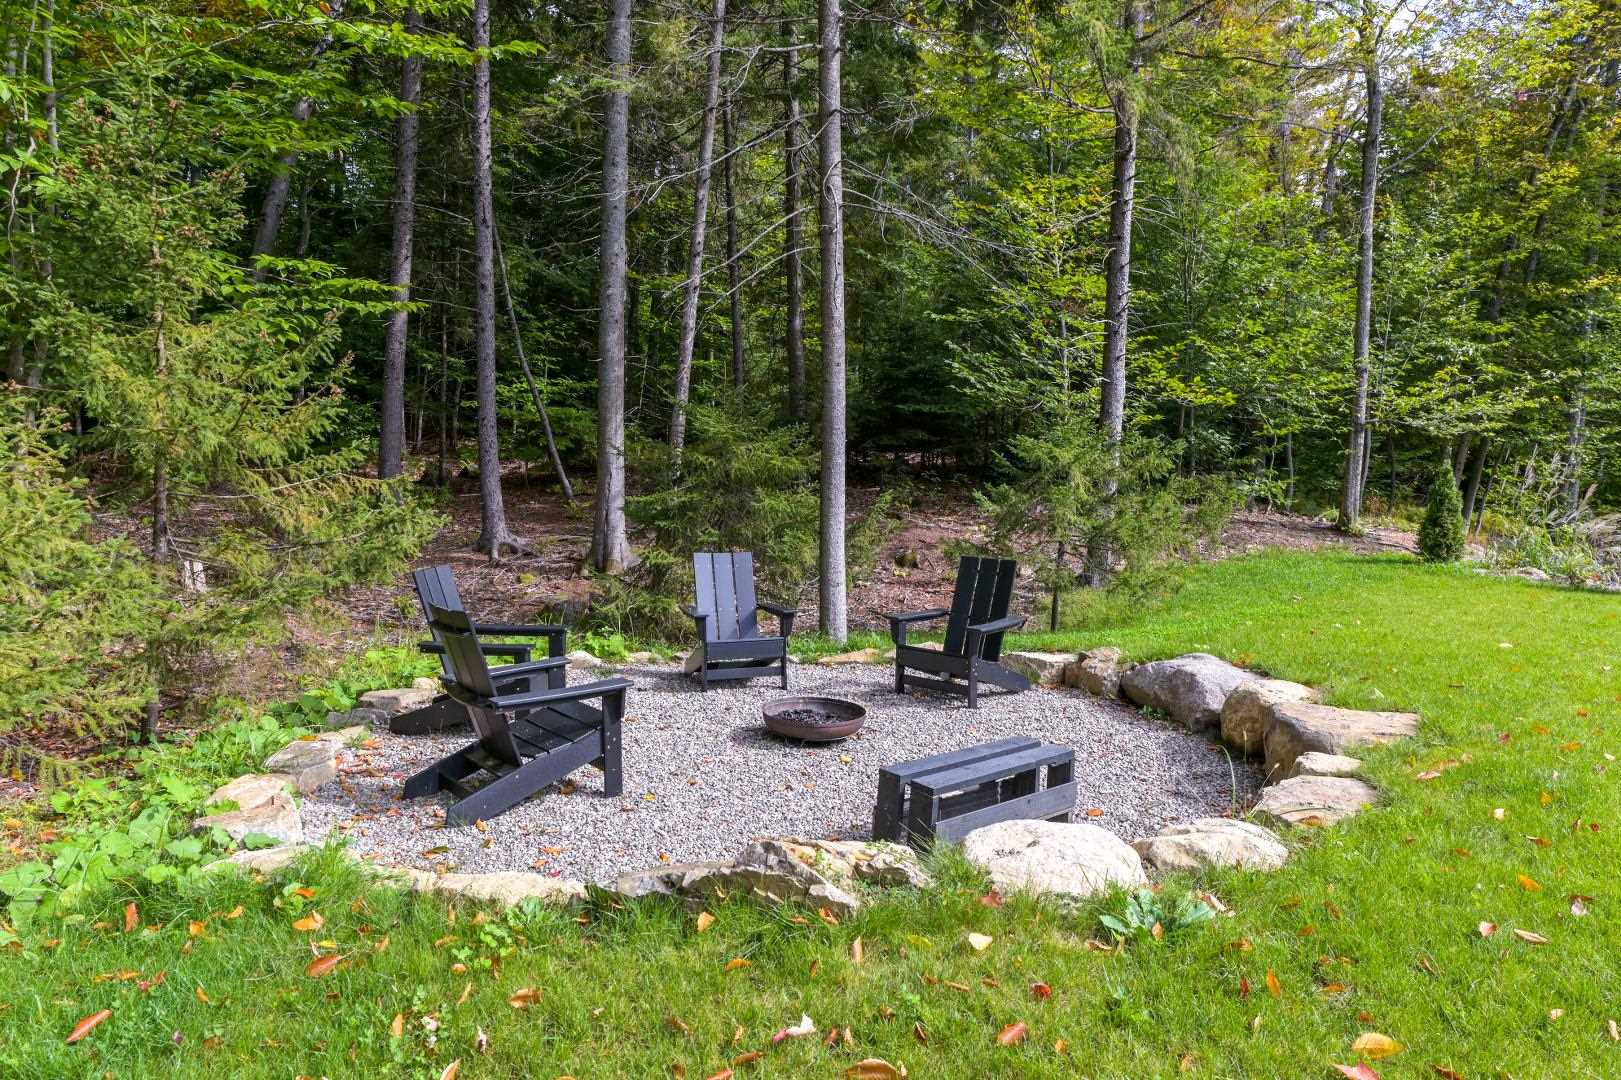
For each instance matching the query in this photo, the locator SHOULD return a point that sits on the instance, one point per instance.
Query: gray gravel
(702, 776)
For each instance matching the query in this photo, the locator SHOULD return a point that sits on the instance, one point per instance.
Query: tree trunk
(529, 376)
(1573, 454)
(695, 252)
(281, 175)
(1351, 495)
(391, 446)
(1460, 456)
(1117, 262)
(733, 285)
(1472, 492)
(795, 330)
(610, 546)
(495, 536)
(833, 600)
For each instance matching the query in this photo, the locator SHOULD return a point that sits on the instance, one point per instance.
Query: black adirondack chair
(730, 645)
(975, 624)
(527, 738)
(436, 585)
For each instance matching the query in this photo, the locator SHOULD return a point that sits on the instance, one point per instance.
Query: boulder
(362, 717)
(1313, 763)
(343, 737)
(1301, 727)
(503, 887)
(1191, 689)
(699, 884)
(1314, 800)
(580, 660)
(426, 682)
(859, 656)
(307, 763)
(1041, 668)
(1053, 858)
(276, 818)
(394, 702)
(1097, 671)
(263, 861)
(1247, 713)
(1214, 841)
(249, 792)
(843, 862)
(1531, 573)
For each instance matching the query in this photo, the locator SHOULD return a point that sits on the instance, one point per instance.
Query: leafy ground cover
(1469, 918)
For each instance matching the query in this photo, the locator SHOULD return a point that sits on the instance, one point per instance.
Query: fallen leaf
(980, 942)
(1428, 774)
(1556, 1014)
(396, 1027)
(1528, 884)
(322, 965)
(202, 996)
(959, 987)
(992, 899)
(195, 927)
(1499, 813)
(234, 913)
(1445, 1073)
(1375, 1045)
(857, 954)
(522, 999)
(673, 1022)
(1540, 841)
(737, 963)
(313, 921)
(1273, 987)
(1040, 991)
(1060, 1047)
(451, 1070)
(1333, 988)
(132, 917)
(805, 1027)
(919, 1032)
(1487, 929)
(1357, 1072)
(1012, 1035)
(467, 992)
(1094, 811)
(1243, 987)
(705, 921)
(745, 1058)
(1531, 936)
(1614, 1029)
(827, 916)
(91, 1022)
(873, 1069)
(1578, 905)
(306, 892)
(481, 1041)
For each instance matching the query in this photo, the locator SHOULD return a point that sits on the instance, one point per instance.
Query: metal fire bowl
(845, 718)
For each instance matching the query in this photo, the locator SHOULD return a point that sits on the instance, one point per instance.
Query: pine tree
(1440, 537)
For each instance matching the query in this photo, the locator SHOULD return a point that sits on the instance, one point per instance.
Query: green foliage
(1441, 535)
(1147, 915)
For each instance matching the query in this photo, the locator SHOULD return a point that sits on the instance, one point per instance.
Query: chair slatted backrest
(468, 668)
(984, 590)
(437, 585)
(725, 590)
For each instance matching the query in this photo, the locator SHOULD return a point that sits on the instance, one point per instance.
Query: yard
(1406, 921)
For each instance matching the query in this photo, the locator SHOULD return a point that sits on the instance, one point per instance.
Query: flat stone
(580, 660)
(1097, 671)
(1315, 800)
(1190, 689)
(843, 862)
(365, 718)
(426, 682)
(1207, 842)
(1041, 668)
(503, 887)
(343, 737)
(307, 763)
(1052, 858)
(641, 658)
(699, 884)
(276, 818)
(250, 791)
(859, 656)
(1247, 713)
(263, 861)
(1300, 727)
(394, 702)
(1313, 763)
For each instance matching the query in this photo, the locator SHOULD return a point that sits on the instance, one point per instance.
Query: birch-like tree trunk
(833, 606)
(1117, 263)
(610, 546)
(495, 535)
(1351, 493)
(274, 206)
(734, 286)
(794, 332)
(695, 251)
(391, 444)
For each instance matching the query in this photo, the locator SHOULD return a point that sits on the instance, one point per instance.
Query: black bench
(947, 796)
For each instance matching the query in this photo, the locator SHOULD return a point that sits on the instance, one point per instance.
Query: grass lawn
(1372, 926)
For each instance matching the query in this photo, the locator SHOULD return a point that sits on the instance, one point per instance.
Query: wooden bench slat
(997, 768)
(1048, 803)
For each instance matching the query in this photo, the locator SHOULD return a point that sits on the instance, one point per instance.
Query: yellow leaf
(451, 1070)
(195, 927)
(980, 942)
(1528, 884)
(1376, 1046)
(312, 921)
(1273, 987)
(705, 921)
(202, 997)
(234, 913)
(397, 1027)
(857, 954)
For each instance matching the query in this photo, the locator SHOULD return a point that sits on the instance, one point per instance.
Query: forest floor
(1470, 916)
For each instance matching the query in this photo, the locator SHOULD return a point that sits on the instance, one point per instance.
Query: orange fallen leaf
(1375, 1045)
(1094, 811)
(234, 913)
(91, 1022)
(737, 963)
(451, 1070)
(705, 921)
(132, 917)
(202, 996)
(1040, 991)
(1060, 1047)
(1445, 1073)
(827, 916)
(396, 1028)
(1012, 1035)
(1273, 986)
(522, 999)
(1529, 884)
(752, 1055)
(724, 1074)
(322, 965)
(306, 892)
(195, 927)
(673, 1022)
(873, 1069)
(857, 953)
(312, 921)
(961, 988)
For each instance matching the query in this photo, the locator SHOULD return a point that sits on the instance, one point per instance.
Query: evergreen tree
(1441, 536)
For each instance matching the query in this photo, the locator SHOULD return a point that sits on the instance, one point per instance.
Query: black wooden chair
(975, 624)
(527, 738)
(436, 585)
(730, 645)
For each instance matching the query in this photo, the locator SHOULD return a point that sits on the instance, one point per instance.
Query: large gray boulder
(1190, 689)
(307, 763)
(275, 817)
(1052, 858)
(1097, 671)
(1247, 712)
(846, 862)
(1196, 845)
(1041, 668)
(1301, 727)
(766, 871)
(1315, 800)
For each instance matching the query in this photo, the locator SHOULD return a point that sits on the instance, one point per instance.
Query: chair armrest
(600, 688)
(518, 629)
(506, 672)
(699, 617)
(517, 649)
(999, 626)
(900, 621)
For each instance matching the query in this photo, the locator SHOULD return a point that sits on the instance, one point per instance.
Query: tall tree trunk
(1472, 491)
(700, 220)
(832, 593)
(733, 285)
(274, 205)
(1573, 454)
(391, 444)
(1460, 455)
(794, 332)
(35, 375)
(495, 536)
(1351, 495)
(1117, 262)
(610, 546)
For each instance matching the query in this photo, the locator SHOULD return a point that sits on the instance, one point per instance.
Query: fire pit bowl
(814, 719)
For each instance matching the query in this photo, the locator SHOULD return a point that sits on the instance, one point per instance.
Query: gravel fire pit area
(703, 776)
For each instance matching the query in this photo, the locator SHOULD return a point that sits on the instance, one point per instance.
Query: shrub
(1440, 536)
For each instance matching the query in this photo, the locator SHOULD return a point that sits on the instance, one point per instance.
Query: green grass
(1509, 678)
